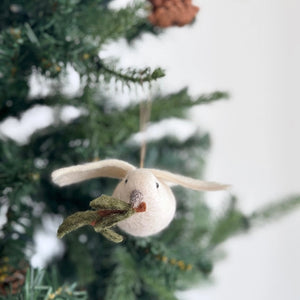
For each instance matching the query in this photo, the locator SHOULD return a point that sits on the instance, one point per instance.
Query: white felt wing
(112, 168)
(188, 182)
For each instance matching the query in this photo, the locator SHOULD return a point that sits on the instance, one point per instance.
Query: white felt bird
(148, 187)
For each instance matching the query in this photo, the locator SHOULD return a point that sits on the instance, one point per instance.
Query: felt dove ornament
(141, 188)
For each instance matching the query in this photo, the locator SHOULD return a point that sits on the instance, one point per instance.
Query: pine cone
(167, 13)
(13, 282)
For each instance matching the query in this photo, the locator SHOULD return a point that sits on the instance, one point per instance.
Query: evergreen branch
(159, 290)
(58, 138)
(231, 221)
(124, 283)
(114, 24)
(38, 285)
(142, 27)
(273, 211)
(12, 174)
(20, 107)
(129, 75)
(234, 221)
(173, 105)
(176, 104)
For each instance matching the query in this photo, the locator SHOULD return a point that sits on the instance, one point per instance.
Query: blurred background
(251, 49)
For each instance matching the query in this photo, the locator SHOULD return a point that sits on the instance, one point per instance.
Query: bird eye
(126, 180)
(157, 185)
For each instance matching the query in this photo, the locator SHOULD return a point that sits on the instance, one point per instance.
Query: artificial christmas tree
(47, 38)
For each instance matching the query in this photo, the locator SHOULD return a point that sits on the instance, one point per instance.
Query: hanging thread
(145, 113)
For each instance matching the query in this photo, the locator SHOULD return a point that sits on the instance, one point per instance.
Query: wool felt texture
(145, 190)
(159, 199)
(188, 182)
(111, 168)
(108, 212)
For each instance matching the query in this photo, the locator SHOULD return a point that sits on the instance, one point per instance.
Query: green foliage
(228, 223)
(124, 282)
(40, 285)
(274, 210)
(52, 34)
(232, 221)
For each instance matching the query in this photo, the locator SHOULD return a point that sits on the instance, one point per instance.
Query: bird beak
(136, 198)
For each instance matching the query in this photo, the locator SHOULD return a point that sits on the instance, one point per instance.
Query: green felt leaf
(112, 235)
(75, 221)
(110, 211)
(114, 219)
(109, 202)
